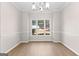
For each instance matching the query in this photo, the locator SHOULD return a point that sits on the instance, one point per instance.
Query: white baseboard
(57, 41)
(12, 47)
(24, 41)
(70, 48)
(40, 40)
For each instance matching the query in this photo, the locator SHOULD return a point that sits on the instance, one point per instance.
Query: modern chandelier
(40, 6)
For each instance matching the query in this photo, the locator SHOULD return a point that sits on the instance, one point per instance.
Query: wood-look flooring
(41, 49)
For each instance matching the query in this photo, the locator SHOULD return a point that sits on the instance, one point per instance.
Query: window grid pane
(40, 27)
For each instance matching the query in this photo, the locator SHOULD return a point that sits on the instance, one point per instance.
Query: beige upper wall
(70, 24)
(9, 26)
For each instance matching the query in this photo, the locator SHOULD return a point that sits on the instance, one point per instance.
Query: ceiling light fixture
(41, 6)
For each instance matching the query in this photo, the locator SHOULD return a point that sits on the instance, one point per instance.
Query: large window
(40, 27)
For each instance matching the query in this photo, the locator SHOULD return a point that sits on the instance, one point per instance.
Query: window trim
(44, 27)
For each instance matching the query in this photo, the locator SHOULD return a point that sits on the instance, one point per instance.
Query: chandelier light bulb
(33, 6)
(41, 9)
(47, 5)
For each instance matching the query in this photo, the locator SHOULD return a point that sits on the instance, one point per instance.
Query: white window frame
(44, 28)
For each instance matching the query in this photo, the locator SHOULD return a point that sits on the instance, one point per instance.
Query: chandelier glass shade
(41, 6)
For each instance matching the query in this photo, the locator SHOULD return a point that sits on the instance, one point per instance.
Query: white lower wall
(70, 30)
(10, 18)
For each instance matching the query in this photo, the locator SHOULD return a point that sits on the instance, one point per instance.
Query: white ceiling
(27, 6)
